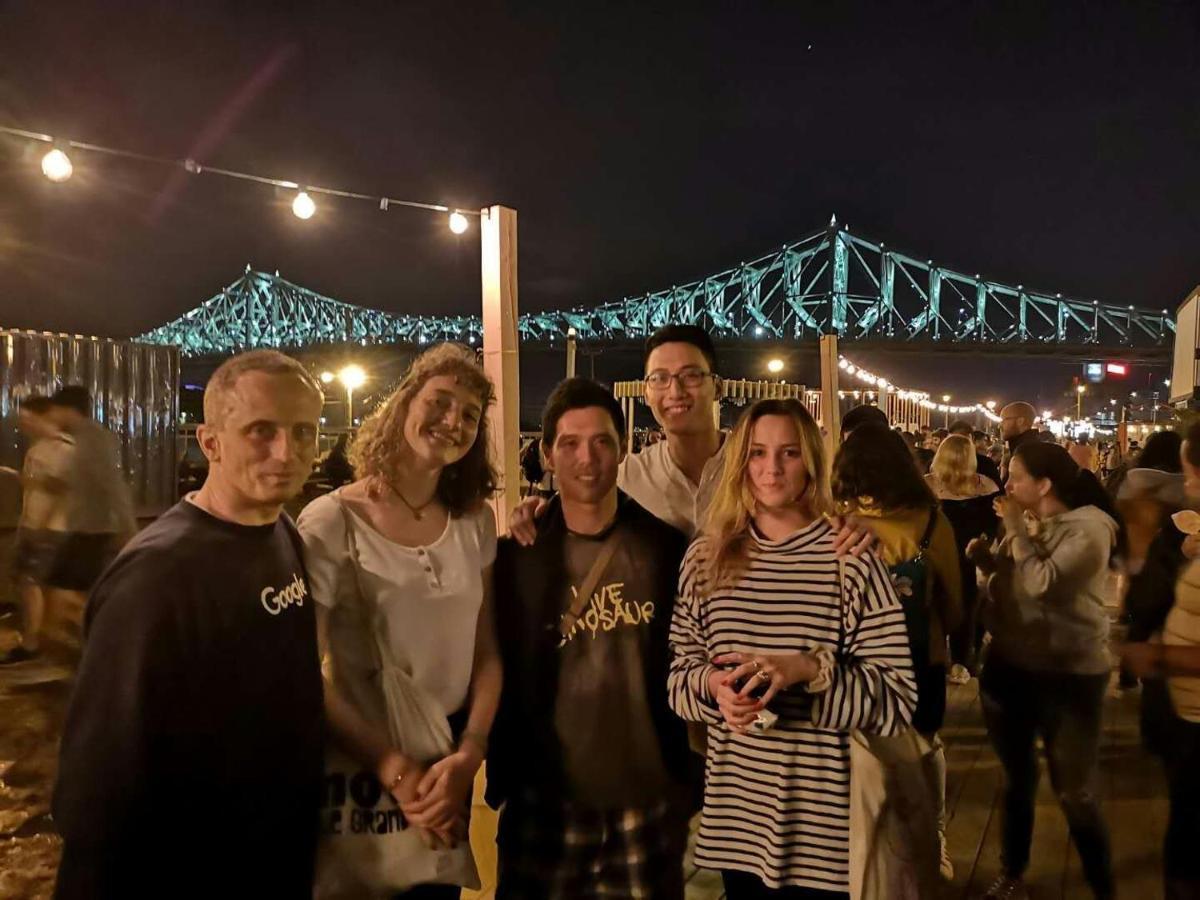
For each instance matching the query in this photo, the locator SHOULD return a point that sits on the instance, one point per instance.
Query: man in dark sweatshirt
(192, 751)
(1016, 427)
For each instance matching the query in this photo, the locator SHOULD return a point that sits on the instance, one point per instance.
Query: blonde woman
(782, 651)
(400, 564)
(966, 498)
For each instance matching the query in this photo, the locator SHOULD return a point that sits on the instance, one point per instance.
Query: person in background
(93, 510)
(1149, 494)
(1167, 656)
(336, 468)
(1083, 452)
(1016, 428)
(1047, 668)
(966, 498)
(200, 684)
(875, 479)
(770, 620)
(673, 479)
(36, 545)
(866, 414)
(413, 541)
(983, 464)
(587, 761)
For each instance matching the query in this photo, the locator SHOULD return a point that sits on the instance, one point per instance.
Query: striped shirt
(777, 804)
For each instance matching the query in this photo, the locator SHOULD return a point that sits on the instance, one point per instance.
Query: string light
(920, 397)
(303, 206)
(58, 167)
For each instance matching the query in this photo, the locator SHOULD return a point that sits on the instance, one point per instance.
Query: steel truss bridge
(831, 281)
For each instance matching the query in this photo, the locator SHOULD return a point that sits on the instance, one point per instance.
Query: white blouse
(428, 597)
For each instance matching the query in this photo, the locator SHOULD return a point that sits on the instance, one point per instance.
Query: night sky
(1056, 145)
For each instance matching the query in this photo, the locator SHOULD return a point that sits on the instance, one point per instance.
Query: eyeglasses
(688, 378)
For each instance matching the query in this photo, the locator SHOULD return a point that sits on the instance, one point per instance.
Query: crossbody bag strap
(927, 537)
(588, 586)
(367, 610)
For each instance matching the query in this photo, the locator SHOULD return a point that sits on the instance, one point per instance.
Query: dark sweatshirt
(191, 756)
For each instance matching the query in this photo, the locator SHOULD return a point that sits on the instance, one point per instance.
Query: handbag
(367, 848)
(894, 852)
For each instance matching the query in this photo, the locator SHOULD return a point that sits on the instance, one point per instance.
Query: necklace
(417, 511)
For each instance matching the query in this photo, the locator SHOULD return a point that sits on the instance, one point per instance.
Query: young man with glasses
(673, 479)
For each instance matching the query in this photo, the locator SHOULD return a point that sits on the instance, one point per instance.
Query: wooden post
(830, 408)
(498, 236)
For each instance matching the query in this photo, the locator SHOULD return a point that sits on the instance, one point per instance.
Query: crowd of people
(731, 624)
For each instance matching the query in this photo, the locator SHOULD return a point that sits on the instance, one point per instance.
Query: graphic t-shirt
(192, 750)
(610, 748)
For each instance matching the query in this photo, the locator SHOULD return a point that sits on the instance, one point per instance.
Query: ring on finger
(765, 676)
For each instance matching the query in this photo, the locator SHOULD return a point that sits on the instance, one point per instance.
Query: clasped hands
(733, 689)
(434, 798)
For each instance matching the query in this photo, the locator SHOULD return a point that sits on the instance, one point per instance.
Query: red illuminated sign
(1115, 368)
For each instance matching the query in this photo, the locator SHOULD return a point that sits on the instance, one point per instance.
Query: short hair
(579, 393)
(36, 404)
(866, 414)
(980, 436)
(73, 396)
(682, 334)
(271, 362)
(941, 433)
(962, 427)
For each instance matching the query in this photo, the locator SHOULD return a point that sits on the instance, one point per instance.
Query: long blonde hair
(955, 467)
(376, 451)
(728, 525)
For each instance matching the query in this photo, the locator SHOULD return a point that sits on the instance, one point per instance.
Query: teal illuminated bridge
(829, 282)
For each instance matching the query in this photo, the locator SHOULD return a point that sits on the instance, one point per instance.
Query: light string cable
(921, 397)
(58, 167)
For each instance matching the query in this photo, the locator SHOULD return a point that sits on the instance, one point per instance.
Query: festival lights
(921, 397)
(303, 206)
(57, 166)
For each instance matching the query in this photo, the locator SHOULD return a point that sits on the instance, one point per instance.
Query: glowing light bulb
(775, 366)
(303, 206)
(56, 166)
(326, 377)
(352, 377)
(458, 222)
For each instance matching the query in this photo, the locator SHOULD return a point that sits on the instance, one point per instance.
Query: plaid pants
(558, 851)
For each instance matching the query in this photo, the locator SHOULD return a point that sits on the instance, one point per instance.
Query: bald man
(1016, 427)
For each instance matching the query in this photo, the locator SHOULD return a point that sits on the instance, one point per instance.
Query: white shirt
(429, 597)
(654, 480)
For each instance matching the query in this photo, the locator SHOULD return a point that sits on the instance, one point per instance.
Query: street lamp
(352, 377)
(775, 366)
(946, 421)
(1079, 392)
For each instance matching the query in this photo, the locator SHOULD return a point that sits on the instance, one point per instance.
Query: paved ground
(31, 705)
(1134, 799)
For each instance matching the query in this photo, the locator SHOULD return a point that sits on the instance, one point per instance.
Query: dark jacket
(529, 583)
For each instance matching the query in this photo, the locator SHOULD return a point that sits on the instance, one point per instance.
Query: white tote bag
(366, 849)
